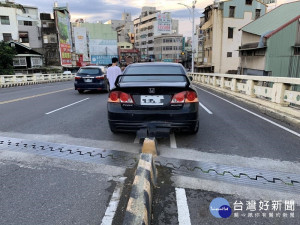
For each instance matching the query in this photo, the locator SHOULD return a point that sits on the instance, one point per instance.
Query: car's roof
(155, 64)
(93, 67)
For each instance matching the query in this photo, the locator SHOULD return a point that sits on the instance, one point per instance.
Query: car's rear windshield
(153, 78)
(90, 71)
(154, 70)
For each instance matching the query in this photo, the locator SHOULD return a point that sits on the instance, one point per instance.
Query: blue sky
(103, 10)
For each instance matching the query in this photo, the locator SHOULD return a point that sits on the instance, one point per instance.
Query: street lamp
(193, 31)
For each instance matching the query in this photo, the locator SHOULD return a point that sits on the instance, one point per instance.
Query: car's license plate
(152, 99)
(88, 80)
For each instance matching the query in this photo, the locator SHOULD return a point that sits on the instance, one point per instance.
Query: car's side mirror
(191, 78)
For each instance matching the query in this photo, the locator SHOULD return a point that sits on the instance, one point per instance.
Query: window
(229, 54)
(7, 37)
(249, 2)
(257, 13)
(231, 11)
(27, 23)
(154, 70)
(4, 20)
(297, 51)
(36, 62)
(19, 61)
(23, 36)
(230, 32)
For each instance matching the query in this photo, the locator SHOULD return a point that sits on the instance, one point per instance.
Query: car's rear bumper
(183, 119)
(91, 86)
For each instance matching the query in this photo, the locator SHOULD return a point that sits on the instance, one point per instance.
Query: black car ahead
(153, 94)
(91, 78)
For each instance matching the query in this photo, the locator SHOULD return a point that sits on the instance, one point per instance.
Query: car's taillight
(77, 77)
(185, 96)
(100, 78)
(118, 96)
(178, 98)
(191, 96)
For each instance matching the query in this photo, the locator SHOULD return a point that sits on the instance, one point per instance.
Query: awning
(31, 55)
(203, 66)
(206, 25)
(247, 49)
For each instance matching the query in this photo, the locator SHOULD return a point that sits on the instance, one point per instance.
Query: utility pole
(193, 28)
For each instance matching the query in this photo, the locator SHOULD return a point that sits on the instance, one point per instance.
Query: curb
(139, 206)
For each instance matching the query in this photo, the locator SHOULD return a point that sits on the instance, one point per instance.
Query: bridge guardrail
(274, 92)
(27, 79)
(275, 89)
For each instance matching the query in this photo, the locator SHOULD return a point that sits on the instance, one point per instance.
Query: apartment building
(152, 23)
(271, 44)
(8, 21)
(221, 33)
(50, 43)
(102, 42)
(168, 48)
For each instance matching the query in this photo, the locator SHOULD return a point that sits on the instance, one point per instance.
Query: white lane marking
(136, 140)
(112, 207)
(253, 113)
(173, 141)
(67, 106)
(206, 109)
(182, 207)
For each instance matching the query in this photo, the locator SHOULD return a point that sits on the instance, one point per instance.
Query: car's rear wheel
(80, 91)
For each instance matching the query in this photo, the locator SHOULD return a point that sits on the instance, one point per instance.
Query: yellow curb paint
(149, 147)
(144, 164)
(33, 96)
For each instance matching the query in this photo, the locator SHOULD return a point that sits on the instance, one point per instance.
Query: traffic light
(182, 53)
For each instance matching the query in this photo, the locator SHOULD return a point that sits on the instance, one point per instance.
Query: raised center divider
(138, 209)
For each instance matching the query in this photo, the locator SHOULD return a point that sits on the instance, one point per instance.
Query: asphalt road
(56, 113)
(228, 130)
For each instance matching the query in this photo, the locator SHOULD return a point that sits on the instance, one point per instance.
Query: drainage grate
(247, 176)
(79, 153)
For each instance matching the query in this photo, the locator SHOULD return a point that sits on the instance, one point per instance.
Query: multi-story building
(168, 48)
(124, 27)
(152, 23)
(20, 23)
(50, 43)
(8, 21)
(102, 42)
(127, 54)
(271, 44)
(222, 36)
(30, 27)
(199, 40)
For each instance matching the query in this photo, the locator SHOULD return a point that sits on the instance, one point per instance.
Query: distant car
(67, 73)
(153, 94)
(91, 78)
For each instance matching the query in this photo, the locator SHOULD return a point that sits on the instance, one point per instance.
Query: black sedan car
(153, 94)
(91, 78)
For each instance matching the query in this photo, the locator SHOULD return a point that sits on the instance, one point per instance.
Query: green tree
(7, 54)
